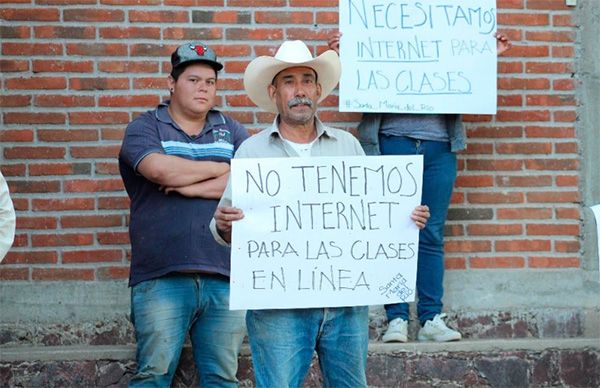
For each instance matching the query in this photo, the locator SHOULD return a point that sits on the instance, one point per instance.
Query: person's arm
(210, 189)
(7, 219)
(502, 43)
(173, 171)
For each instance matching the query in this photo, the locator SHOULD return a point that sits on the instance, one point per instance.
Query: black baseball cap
(195, 52)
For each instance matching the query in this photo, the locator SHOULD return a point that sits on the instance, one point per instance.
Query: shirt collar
(162, 115)
(322, 129)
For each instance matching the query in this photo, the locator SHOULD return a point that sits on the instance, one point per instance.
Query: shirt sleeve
(141, 139)
(239, 132)
(7, 219)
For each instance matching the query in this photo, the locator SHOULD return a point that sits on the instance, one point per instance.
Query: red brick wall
(75, 72)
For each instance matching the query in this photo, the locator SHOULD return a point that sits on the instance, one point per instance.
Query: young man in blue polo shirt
(174, 162)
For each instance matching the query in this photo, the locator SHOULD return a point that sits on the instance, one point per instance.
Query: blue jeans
(283, 343)
(439, 174)
(165, 310)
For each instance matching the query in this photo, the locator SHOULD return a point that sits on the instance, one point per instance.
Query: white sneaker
(397, 331)
(437, 331)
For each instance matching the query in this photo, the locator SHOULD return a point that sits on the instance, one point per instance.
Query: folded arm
(173, 171)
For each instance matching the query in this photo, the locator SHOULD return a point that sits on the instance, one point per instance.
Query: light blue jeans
(439, 174)
(283, 343)
(165, 310)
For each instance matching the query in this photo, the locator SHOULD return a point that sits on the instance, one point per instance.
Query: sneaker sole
(394, 338)
(440, 339)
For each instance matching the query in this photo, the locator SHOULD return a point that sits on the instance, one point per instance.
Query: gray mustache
(300, 101)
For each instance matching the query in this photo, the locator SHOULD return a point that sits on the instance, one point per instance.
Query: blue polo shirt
(170, 233)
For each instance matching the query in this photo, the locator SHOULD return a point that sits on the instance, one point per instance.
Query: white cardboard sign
(418, 56)
(324, 231)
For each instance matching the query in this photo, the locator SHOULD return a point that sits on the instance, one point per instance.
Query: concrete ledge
(127, 352)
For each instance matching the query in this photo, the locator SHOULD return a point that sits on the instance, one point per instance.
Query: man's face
(195, 90)
(296, 92)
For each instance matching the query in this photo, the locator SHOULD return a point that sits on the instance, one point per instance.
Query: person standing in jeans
(174, 162)
(438, 137)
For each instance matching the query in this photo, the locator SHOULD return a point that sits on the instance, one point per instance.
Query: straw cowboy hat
(261, 71)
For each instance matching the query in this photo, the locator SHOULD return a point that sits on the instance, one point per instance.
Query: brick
(159, 16)
(24, 222)
(522, 246)
(151, 50)
(551, 100)
(495, 198)
(536, 131)
(34, 186)
(34, 118)
(112, 238)
(26, 152)
(112, 273)
(61, 135)
(548, 67)
(547, 4)
(92, 186)
(494, 229)
(565, 180)
(12, 100)
(128, 67)
(15, 32)
(31, 49)
(455, 263)
(523, 84)
(25, 14)
(524, 148)
(64, 32)
(528, 51)
(48, 169)
(99, 83)
(553, 197)
(552, 164)
(261, 3)
(554, 262)
(131, 2)
(99, 118)
(85, 152)
(149, 101)
(82, 221)
(563, 52)
(113, 203)
(567, 246)
(562, 20)
(33, 83)
(130, 33)
(13, 66)
(182, 33)
(97, 49)
(497, 262)
(523, 181)
(566, 148)
(474, 181)
(468, 246)
(105, 168)
(20, 204)
(46, 66)
(112, 133)
(523, 19)
(495, 132)
(553, 230)
(92, 256)
(61, 101)
(31, 257)
(151, 83)
(61, 274)
(579, 369)
(93, 15)
(254, 34)
(550, 36)
(65, 2)
(57, 240)
(524, 115)
(13, 170)
(62, 204)
(328, 18)
(564, 84)
(14, 274)
(565, 116)
(456, 214)
(510, 67)
(195, 3)
(222, 17)
(275, 17)
(510, 100)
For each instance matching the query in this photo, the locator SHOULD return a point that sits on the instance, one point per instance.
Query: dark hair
(176, 72)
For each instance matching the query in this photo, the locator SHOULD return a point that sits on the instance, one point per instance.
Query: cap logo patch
(198, 49)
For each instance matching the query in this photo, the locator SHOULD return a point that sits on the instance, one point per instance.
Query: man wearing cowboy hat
(174, 162)
(291, 84)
